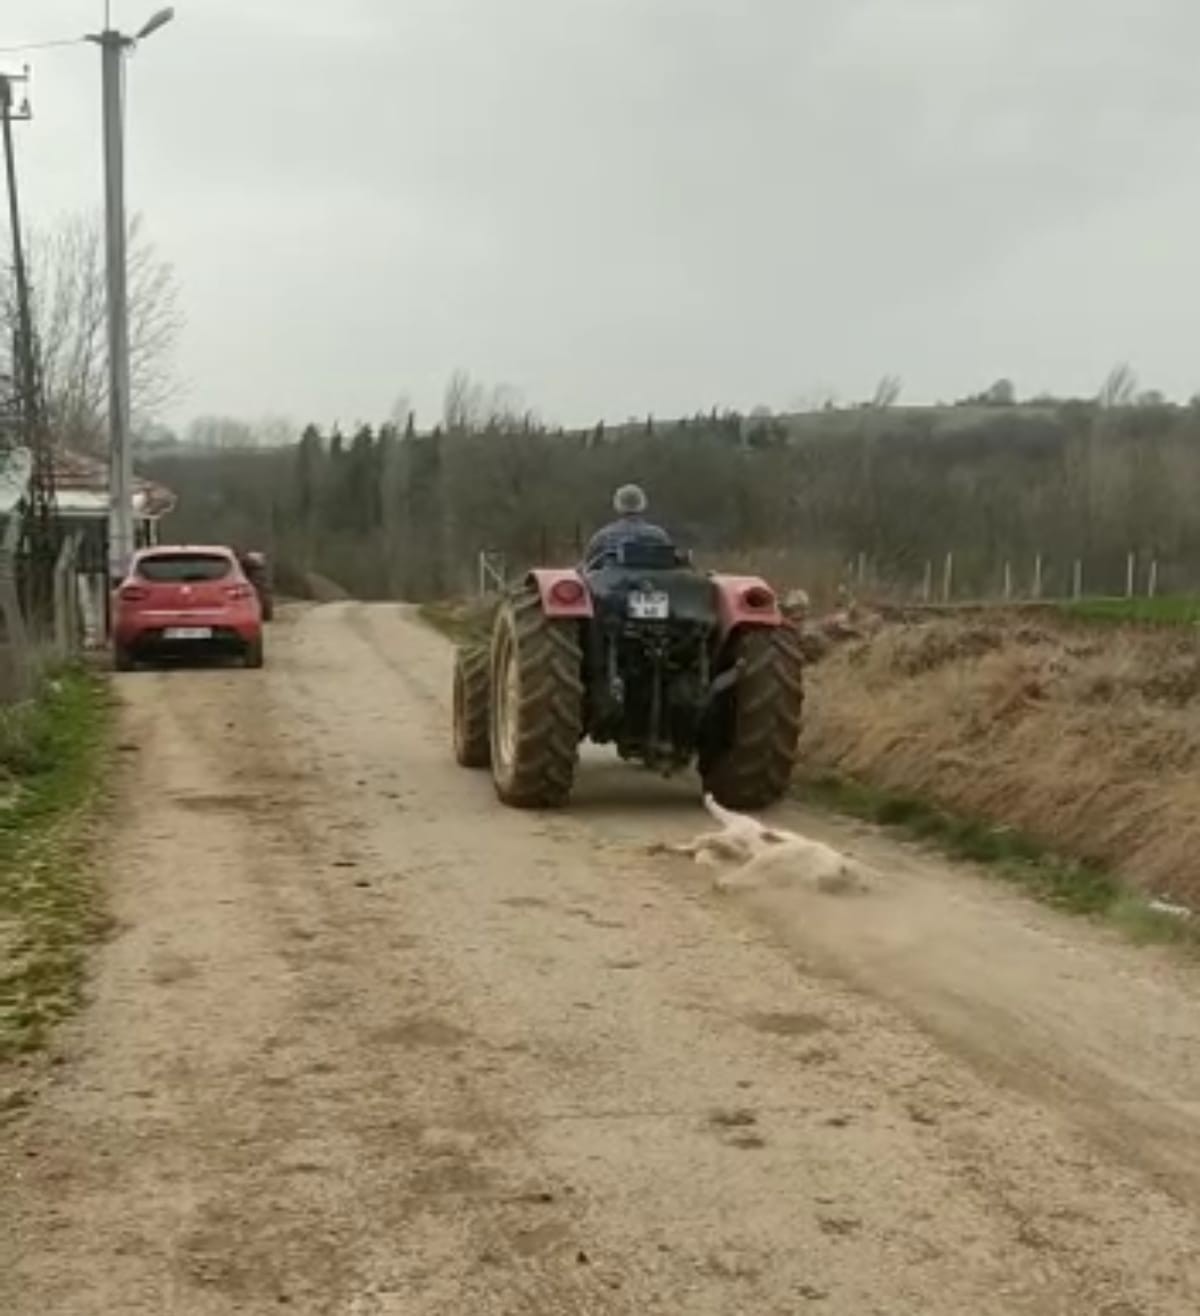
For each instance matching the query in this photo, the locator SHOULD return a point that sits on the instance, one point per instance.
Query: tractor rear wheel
(536, 704)
(752, 767)
(472, 713)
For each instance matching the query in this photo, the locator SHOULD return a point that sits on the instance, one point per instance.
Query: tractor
(672, 665)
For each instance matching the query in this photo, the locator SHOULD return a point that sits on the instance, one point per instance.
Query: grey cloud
(626, 205)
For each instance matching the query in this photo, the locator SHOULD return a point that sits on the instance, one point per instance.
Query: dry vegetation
(1085, 739)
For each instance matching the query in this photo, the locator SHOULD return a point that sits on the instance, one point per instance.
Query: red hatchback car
(180, 601)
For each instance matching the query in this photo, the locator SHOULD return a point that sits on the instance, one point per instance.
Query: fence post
(1077, 581)
(1152, 587)
(948, 577)
(927, 582)
(1130, 575)
(1037, 576)
(66, 620)
(862, 570)
(62, 635)
(491, 572)
(10, 607)
(1008, 582)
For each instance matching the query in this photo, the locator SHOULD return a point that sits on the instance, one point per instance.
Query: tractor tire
(753, 766)
(536, 704)
(472, 706)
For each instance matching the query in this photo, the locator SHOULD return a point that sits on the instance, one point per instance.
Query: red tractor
(672, 665)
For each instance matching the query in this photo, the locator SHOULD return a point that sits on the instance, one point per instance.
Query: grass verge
(1067, 885)
(1135, 612)
(460, 620)
(50, 755)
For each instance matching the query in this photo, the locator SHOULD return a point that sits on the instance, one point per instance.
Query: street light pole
(114, 46)
(120, 477)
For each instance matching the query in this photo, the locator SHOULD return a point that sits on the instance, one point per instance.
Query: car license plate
(188, 633)
(653, 606)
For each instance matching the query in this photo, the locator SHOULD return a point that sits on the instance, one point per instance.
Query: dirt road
(365, 1043)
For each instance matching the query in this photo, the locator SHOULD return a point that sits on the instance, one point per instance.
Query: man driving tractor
(631, 527)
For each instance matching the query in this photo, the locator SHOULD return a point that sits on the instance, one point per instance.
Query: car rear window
(165, 567)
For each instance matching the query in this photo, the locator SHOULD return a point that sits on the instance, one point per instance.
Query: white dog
(761, 853)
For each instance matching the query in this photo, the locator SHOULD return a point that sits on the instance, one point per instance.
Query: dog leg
(665, 847)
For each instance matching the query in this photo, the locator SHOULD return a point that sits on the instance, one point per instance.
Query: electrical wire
(41, 45)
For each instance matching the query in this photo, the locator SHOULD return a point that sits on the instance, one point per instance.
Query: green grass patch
(1077, 888)
(1136, 612)
(50, 755)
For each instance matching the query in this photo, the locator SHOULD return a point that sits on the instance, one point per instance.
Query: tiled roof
(81, 484)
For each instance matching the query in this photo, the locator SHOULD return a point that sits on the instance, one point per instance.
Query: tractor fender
(563, 591)
(744, 601)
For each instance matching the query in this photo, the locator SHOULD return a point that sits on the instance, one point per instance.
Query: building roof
(80, 485)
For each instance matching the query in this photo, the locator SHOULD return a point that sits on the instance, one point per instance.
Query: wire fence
(954, 577)
(1036, 577)
(37, 637)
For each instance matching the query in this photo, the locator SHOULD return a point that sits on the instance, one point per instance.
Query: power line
(41, 45)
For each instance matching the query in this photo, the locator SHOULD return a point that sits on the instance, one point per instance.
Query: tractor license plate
(654, 606)
(188, 633)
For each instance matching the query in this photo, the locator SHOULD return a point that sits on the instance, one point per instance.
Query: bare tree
(462, 404)
(1003, 393)
(220, 432)
(887, 393)
(68, 280)
(401, 412)
(275, 431)
(1119, 387)
(469, 407)
(821, 397)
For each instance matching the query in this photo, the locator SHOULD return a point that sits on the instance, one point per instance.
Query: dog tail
(726, 817)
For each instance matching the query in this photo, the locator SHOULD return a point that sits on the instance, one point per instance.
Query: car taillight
(239, 591)
(758, 597)
(566, 592)
(133, 594)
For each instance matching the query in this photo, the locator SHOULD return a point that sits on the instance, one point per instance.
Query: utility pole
(23, 345)
(38, 537)
(114, 46)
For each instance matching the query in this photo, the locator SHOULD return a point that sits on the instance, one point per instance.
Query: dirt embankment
(1087, 740)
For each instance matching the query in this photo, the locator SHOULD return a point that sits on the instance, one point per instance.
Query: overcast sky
(626, 206)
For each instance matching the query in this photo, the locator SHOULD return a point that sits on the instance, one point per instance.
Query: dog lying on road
(762, 854)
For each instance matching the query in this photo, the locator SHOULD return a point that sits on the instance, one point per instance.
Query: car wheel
(123, 658)
(254, 653)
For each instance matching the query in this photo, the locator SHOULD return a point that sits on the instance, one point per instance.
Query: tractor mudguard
(563, 592)
(744, 601)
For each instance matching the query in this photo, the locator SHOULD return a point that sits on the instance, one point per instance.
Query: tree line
(395, 512)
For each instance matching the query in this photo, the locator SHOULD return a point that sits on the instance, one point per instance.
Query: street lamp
(161, 19)
(113, 47)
